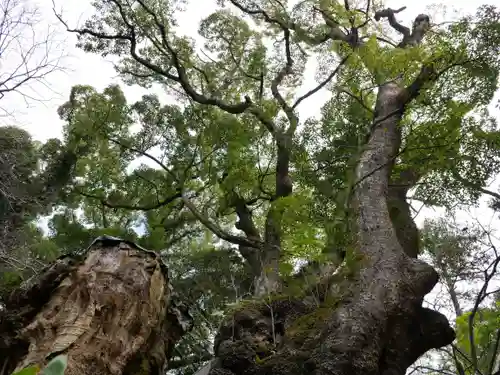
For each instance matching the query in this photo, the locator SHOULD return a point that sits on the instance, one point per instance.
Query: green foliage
(32, 370)
(27, 254)
(135, 160)
(442, 132)
(9, 281)
(27, 190)
(485, 335)
(462, 256)
(18, 163)
(56, 366)
(454, 250)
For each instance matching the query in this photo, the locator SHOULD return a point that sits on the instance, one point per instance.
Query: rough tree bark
(110, 308)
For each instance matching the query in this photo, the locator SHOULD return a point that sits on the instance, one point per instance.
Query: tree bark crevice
(400, 212)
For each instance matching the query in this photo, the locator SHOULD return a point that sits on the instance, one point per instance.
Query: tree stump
(109, 308)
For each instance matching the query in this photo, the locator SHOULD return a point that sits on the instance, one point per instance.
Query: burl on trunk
(110, 309)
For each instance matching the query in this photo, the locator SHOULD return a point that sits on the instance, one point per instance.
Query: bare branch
(322, 84)
(27, 55)
(390, 15)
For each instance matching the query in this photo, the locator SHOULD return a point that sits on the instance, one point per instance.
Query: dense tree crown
(244, 198)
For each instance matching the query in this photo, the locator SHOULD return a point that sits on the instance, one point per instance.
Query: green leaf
(56, 366)
(32, 370)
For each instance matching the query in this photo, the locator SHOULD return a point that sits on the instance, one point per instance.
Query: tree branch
(217, 230)
(245, 222)
(334, 32)
(480, 298)
(145, 154)
(322, 84)
(496, 346)
(247, 225)
(259, 13)
(474, 186)
(30, 54)
(155, 206)
(181, 78)
(286, 70)
(358, 99)
(390, 15)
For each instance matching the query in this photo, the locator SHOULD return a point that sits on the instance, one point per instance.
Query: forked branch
(390, 15)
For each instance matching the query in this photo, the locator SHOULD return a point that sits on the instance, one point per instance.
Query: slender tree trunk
(268, 281)
(453, 294)
(370, 320)
(110, 309)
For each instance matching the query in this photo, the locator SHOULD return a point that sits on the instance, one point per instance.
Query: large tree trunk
(110, 309)
(370, 319)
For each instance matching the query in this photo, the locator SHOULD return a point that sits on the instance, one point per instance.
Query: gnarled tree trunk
(110, 309)
(370, 320)
(366, 317)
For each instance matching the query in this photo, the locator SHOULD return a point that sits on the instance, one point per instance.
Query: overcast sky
(40, 117)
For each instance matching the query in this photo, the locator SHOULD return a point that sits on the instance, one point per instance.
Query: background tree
(30, 173)
(466, 257)
(32, 176)
(29, 55)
